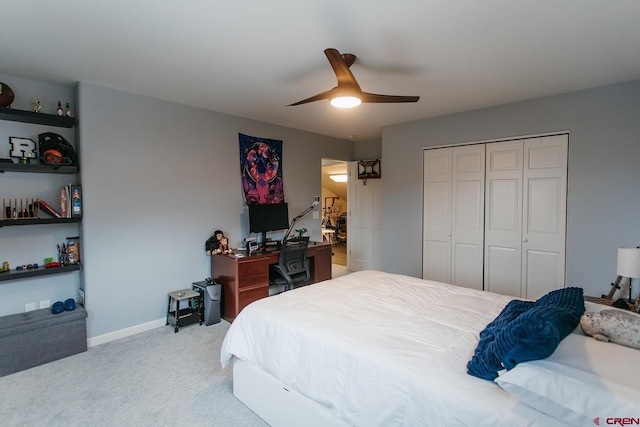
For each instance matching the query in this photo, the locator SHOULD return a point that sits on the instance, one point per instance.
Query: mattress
(380, 349)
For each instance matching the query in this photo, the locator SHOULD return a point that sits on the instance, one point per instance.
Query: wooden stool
(185, 316)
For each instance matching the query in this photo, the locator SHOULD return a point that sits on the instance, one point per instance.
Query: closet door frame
(524, 249)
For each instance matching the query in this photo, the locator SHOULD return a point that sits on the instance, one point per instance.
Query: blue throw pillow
(525, 331)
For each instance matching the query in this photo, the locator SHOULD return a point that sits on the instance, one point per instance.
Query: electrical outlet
(316, 215)
(45, 303)
(30, 306)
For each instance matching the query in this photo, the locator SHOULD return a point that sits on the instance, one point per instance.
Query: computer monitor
(268, 217)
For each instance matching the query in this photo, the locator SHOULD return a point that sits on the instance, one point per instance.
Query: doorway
(334, 209)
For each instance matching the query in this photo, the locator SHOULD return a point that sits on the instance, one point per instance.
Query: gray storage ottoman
(36, 337)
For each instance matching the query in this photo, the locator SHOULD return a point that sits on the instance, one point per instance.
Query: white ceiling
(251, 58)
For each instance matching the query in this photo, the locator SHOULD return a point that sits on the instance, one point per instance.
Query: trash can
(211, 293)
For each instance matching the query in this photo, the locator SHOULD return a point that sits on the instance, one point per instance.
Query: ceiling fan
(348, 93)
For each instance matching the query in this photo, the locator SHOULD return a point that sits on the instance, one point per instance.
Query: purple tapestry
(261, 170)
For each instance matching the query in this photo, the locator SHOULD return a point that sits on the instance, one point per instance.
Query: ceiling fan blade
(375, 98)
(343, 73)
(318, 97)
(347, 84)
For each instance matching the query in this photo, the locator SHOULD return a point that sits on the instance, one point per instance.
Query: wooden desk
(246, 279)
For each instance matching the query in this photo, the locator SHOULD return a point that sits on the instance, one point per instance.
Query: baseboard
(126, 332)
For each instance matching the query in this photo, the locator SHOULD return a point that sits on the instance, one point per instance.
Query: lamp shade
(629, 262)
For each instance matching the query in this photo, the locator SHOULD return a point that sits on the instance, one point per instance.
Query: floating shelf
(40, 271)
(36, 118)
(37, 168)
(36, 221)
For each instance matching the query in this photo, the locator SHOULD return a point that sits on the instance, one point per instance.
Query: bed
(380, 349)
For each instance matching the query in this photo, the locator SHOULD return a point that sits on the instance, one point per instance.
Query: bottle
(67, 111)
(59, 110)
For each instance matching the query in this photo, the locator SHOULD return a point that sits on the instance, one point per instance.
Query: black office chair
(292, 268)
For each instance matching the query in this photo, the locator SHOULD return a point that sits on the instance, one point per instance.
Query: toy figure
(217, 244)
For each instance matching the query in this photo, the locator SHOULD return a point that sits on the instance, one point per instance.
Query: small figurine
(59, 109)
(217, 244)
(5, 266)
(37, 106)
(67, 111)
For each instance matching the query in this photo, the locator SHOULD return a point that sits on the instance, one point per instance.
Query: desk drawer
(252, 272)
(248, 296)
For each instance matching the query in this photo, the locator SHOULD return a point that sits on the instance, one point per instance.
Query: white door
(503, 215)
(454, 215)
(526, 216)
(436, 242)
(364, 222)
(544, 210)
(467, 225)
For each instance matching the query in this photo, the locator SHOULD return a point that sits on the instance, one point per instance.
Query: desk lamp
(316, 202)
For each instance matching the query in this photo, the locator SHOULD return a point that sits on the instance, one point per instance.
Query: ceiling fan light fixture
(345, 101)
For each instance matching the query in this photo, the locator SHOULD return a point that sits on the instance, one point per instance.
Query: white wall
(604, 157)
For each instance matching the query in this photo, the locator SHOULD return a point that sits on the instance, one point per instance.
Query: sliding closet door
(526, 216)
(436, 243)
(454, 215)
(467, 228)
(544, 214)
(503, 213)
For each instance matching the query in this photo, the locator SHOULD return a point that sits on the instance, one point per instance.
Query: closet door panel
(468, 216)
(436, 250)
(467, 267)
(503, 228)
(544, 214)
(542, 272)
(502, 270)
(437, 260)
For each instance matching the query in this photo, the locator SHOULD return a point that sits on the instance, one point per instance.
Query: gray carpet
(156, 378)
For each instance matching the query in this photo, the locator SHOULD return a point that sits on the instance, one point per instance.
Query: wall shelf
(36, 221)
(36, 118)
(37, 168)
(54, 120)
(40, 271)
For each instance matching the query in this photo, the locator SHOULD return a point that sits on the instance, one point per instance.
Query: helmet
(55, 150)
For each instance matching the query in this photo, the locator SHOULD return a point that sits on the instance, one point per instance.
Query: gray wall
(368, 150)
(158, 178)
(604, 156)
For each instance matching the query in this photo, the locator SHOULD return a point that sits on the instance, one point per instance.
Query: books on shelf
(71, 201)
(76, 201)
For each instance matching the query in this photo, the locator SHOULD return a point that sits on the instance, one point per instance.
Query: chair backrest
(293, 255)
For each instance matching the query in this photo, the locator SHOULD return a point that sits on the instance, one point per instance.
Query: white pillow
(570, 395)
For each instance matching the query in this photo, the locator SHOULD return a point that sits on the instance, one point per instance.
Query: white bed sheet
(380, 349)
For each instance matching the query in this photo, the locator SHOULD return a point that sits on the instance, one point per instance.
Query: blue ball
(57, 307)
(70, 305)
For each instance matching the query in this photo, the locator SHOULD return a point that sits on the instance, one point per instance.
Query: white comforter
(380, 350)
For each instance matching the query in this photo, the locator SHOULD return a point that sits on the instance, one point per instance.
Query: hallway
(339, 254)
